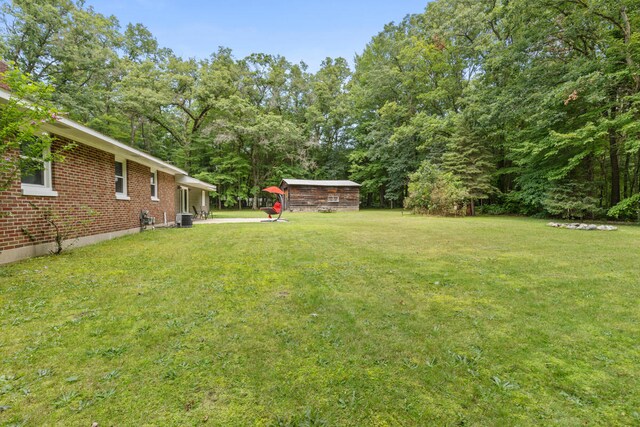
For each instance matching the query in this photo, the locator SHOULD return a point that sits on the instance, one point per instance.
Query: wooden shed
(308, 195)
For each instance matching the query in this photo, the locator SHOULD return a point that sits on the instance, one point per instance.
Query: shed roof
(321, 183)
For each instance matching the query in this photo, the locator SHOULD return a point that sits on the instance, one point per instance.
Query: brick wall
(3, 68)
(85, 183)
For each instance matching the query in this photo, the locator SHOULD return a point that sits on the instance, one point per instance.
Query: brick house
(98, 193)
(3, 69)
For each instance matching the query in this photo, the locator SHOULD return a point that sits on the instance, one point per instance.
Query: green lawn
(370, 318)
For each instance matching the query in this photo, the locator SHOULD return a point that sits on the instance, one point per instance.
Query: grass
(370, 318)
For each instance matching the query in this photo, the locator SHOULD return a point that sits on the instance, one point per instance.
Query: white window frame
(123, 195)
(154, 174)
(333, 198)
(45, 189)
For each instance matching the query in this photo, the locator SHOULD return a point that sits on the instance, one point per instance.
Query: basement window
(333, 198)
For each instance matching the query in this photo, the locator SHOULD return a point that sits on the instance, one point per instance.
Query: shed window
(333, 198)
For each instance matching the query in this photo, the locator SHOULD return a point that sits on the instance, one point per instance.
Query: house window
(35, 172)
(154, 185)
(333, 198)
(121, 179)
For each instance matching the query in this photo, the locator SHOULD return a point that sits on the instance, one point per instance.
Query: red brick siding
(167, 195)
(84, 180)
(3, 68)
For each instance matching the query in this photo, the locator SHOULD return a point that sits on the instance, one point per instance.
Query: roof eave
(76, 132)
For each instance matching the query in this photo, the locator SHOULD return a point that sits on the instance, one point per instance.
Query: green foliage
(504, 108)
(628, 208)
(327, 117)
(571, 200)
(510, 97)
(432, 191)
(21, 120)
(469, 160)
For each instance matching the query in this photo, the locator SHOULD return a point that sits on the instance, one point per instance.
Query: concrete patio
(233, 220)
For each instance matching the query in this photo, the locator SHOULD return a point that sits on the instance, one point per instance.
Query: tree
(470, 161)
(61, 42)
(21, 121)
(328, 119)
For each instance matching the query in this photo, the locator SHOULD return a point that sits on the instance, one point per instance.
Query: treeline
(511, 106)
(528, 106)
(239, 123)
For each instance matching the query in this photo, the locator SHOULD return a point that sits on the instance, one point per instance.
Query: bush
(493, 209)
(628, 209)
(432, 191)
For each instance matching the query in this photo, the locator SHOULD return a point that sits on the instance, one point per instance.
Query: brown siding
(304, 198)
(84, 180)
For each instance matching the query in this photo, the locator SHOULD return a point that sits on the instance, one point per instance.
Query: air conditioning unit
(184, 220)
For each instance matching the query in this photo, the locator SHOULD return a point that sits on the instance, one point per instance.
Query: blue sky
(300, 30)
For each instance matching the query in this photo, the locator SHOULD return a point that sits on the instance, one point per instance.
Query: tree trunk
(132, 137)
(615, 168)
(636, 173)
(255, 176)
(625, 178)
(626, 25)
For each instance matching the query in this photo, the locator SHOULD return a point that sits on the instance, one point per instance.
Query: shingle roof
(321, 183)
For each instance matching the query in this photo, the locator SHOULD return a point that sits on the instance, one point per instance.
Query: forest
(497, 106)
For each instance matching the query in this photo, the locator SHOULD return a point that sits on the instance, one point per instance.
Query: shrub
(628, 208)
(435, 192)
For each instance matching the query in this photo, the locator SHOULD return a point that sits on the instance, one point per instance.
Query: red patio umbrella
(273, 189)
